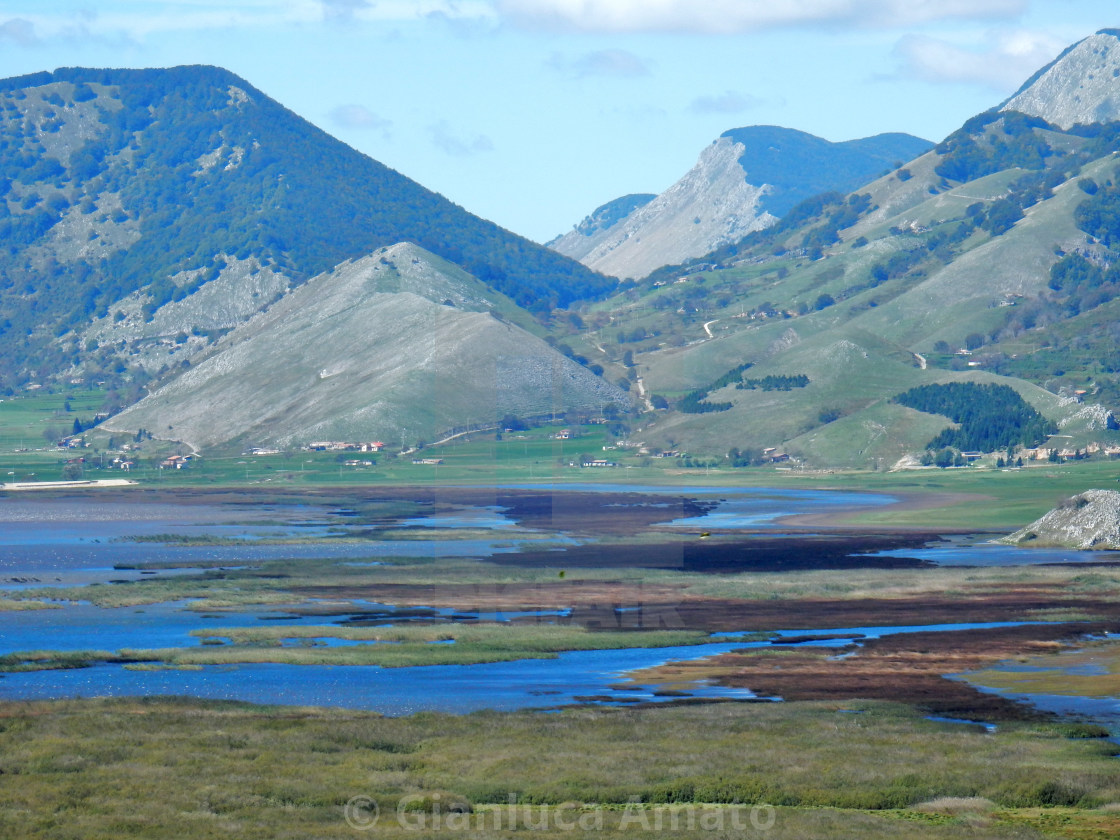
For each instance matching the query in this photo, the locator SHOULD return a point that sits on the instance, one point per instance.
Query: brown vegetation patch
(755, 553)
(907, 668)
(729, 616)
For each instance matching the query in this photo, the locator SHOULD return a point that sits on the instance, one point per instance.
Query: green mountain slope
(400, 346)
(157, 182)
(994, 258)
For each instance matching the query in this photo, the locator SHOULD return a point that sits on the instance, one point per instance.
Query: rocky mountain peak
(710, 206)
(1082, 85)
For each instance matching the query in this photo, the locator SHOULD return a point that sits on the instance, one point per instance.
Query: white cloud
(618, 63)
(728, 102)
(361, 118)
(444, 137)
(1002, 61)
(731, 16)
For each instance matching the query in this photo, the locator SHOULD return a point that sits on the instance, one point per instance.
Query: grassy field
(31, 425)
(179, 768)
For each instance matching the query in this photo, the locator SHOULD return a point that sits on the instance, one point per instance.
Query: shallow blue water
(738, 507)
(77, 542)
(839, 637)
(1102, 710)
(970, 551)
(527, 683)
(86, 627)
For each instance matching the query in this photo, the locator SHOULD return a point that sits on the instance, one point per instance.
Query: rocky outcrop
(595, 228)
(1081, 86)
(710, 206)
(1090, 520)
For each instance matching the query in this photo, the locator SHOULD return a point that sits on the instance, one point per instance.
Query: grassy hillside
(988, 259)
(399, 346)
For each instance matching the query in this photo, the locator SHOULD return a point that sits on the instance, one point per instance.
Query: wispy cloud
(361, 118)
(728, 102)
(343, 10)
(618, 63)
(445, 137)
(18, 31)
(139, 19)
(1002, 61)
(136, 20)
(731, 16)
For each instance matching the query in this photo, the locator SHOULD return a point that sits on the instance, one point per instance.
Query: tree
(823, 302)
(1002, 216)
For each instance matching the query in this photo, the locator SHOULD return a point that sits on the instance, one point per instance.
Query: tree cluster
(990, 416)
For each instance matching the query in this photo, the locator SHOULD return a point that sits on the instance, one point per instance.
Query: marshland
(607, 658)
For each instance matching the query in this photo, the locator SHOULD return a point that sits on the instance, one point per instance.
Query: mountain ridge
(742, 182)
(1079, 86)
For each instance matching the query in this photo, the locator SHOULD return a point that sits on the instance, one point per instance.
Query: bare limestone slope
(1090, 520)
(1081, 86)
(710, 206)
(399, 345)
(743, 182)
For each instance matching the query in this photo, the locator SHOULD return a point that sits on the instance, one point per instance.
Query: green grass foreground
(163, 767)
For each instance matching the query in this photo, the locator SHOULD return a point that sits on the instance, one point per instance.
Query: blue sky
(533, 112)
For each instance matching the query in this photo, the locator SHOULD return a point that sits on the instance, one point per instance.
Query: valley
(777, 504)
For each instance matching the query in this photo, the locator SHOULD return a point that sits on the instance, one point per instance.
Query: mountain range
(183, 238)
(126, 192)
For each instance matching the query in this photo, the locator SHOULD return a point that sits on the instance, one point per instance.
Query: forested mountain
(123, 191)
(797, 165)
